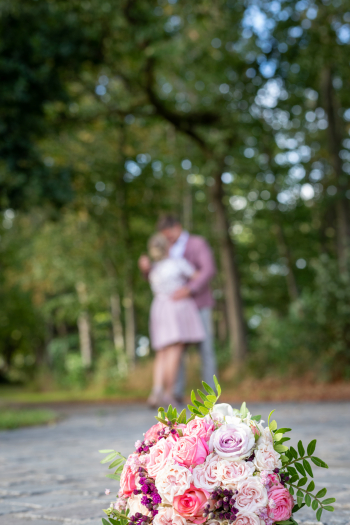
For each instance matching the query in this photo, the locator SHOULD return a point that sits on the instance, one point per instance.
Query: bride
(173, 323)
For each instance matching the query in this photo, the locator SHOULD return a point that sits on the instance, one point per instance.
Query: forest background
(233, 114)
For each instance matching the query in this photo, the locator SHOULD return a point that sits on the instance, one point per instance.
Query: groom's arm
(205, 265)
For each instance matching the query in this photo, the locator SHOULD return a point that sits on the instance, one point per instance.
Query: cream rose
(135, 505)
(247, 518)
(265, 436)
(173, 480)
(168, 516)
(205, 476)
(266, 458)
(230, 473)
(252, 495)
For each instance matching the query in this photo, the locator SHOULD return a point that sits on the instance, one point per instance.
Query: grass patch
(11, 418)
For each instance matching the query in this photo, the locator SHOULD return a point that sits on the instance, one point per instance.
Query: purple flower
(233, 441)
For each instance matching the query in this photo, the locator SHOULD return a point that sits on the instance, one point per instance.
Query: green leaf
(293, 479)
(208, 404)
(243, 410)
(212, 398)
(198, 404)
(113, 476)
(104, 521)
(208, 388)
(311, 447)
(291, 471)
(283, 440)
(114, 522)
(197, 412)
(190, 408)
(164, 421)
(204, 410)
(116, 462)
(106, 451)
(182, 417)
(256, 418)
(291, 491)
(311, 486)
(308, 468)
(329, 508)
(302, 482)
(268, 420)
(170, 412)
(314, 504)
(294, 452)
(318, 462)
(284, 458)
(109, 457)
(321, 493)
(300, 468)
(328, 500)
(300, 497)
(318, 514)
(193, 396)
(280, 448)
(301, 449)
(217, 386)
(284, 430)
(203, 396)
(308, 500)
(191, 418)
(273, 425)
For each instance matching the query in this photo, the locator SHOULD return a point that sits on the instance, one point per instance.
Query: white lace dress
(173, 321)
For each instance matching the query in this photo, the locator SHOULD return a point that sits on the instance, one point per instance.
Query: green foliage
(298, 468)
(208, 399)
(25, 417)
(111, 458)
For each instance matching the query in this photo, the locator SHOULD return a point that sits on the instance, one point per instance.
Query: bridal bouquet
(220, 466)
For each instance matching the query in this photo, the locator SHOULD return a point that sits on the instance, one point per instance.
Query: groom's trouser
(208, 359)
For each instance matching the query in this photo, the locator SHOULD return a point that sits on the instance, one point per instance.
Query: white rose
(173, 480)
(224, 409)
(205, 475)
(230, 473)
(248, 518)
(232, 441)
(266, 458)
(168, 516)
(135, 505)
(266, 436)
(252, 495)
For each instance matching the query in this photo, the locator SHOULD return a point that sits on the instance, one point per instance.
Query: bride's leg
(154, 399)
(172, 362)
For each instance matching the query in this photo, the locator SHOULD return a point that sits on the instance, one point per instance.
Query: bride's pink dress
(173, 321)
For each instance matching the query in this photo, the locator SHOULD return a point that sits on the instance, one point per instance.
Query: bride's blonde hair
(158, 247)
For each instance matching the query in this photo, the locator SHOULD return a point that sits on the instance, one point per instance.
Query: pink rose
(247, 518)
(159, 454)
(190, 504)
(205, 476)
(127, 481)
(152, 433)
(283, 503)
(252, 495)
(190, 450)
(173, 480)
(199, 427)
(230, 473)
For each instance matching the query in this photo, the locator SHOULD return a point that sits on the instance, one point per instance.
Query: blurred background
(233, 114)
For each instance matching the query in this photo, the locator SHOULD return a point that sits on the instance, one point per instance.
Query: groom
(197, 251)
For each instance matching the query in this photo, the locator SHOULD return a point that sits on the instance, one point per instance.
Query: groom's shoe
(155, 399)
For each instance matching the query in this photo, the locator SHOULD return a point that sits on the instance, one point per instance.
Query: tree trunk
(234, 307)
(128, 304)
(118, 335)
(285, 253)
(85, 338)
(84, 327)
(334, 142)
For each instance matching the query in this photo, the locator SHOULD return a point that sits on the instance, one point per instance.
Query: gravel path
(52, 475)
